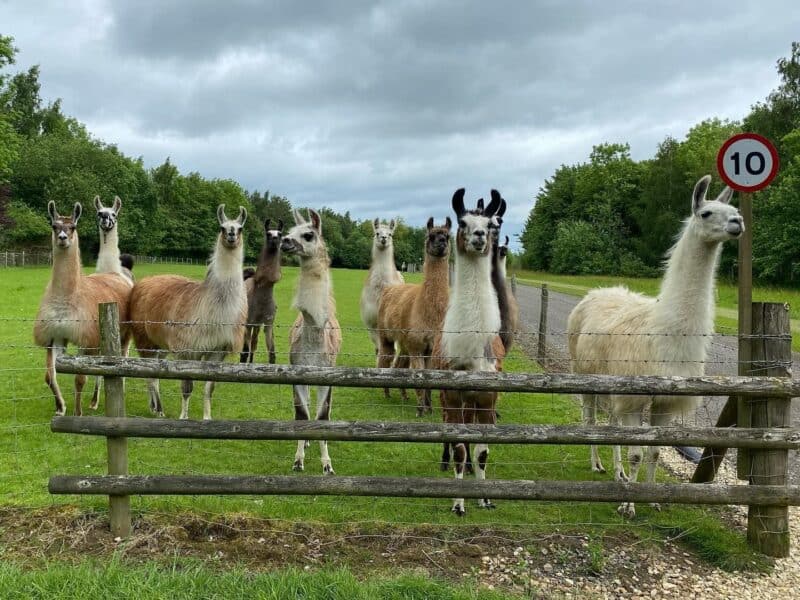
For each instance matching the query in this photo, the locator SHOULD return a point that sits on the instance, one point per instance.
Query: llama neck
(382, 266)
(314, 290)
(225, 267)
(686, 300)
(500, 288)
(436, 277)
(66, 269)
(268, 271)
(108, 256)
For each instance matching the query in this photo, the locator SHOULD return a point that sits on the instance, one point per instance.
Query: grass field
(727, 294)
(30, 453)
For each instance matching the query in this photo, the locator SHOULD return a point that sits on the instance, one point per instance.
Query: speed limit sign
(747, 162)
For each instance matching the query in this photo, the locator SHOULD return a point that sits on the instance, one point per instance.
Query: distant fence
(768, 439)
(25, 259)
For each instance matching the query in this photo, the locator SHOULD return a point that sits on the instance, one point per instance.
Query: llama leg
(154, 393)
(244, 355)
(324, 398)
(653, 452)
(417, 362)
(186, 391)
(402, 361)
(269, 337)
(209, 390)
(590, 418)
(80, 381)
(459, 460)
(300, 395)
(484, 414)
(96, 393)
(629, 419)
(53, 351)
(385, 358)
(428, 363)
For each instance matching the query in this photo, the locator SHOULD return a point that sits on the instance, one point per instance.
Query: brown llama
(261, 305)
(506, 302)
(469, 339)
(315, 338)
(410, 315)
(195, 320)
(68, 310)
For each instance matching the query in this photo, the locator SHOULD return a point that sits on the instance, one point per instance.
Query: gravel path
(721, 361)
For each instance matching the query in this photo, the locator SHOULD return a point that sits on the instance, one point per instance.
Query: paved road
(721, 361)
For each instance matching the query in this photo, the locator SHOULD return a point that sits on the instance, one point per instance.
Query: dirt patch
(499, 558)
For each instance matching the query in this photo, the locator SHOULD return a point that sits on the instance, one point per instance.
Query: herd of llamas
(467, 324)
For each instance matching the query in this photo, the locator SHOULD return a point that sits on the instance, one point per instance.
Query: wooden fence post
(541, 350)
(770, 355)
(110, 345)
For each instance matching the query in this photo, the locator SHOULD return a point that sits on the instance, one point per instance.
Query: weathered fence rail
(768, 439)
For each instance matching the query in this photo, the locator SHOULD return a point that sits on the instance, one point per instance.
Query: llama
(617, 332)
(469, 339)
(109, 259)
(382, 273)
(410, 315)
(509, 310)
(261, 305)
(68, 310)
(195, 320)
(315, 338)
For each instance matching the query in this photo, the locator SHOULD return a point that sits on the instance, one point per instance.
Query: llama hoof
(93, 405)
(327, 470)
(469, 469)
(486, 503)
(458, 510)
(306, 444)
(655, 506)
(160, 414)
(60, 412)
(627, 510)
(208, 418)
(298, 465)
(183, 417)
(620, 477)
(444, 466)
(598, 468)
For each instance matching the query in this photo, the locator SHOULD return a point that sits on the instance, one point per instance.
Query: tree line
(617, 216)
(46, 155)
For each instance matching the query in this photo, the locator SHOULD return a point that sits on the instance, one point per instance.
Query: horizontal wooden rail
(776, 387)
(424, 487)
(777, 438)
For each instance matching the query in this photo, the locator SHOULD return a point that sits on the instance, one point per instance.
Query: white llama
(615, 331)
(469, 339)
(108, 257)
(315, 338)
(382, 272)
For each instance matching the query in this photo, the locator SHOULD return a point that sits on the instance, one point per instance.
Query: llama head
(714, 221)
(305, 238)
(273, 236)
(502, 251)
(230, 230)
(437, 241)
(383, 234)
(474, 226)
(107, 215)
(64, 228)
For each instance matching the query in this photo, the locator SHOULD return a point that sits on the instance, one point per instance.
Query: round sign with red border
(747, 162)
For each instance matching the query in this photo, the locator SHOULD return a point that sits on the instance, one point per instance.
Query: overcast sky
(385, 108)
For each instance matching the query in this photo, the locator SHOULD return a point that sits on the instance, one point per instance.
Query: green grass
(195, 580)
(30, 453)
(727, 295)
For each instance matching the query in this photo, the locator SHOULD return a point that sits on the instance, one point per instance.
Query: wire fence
(31, 453)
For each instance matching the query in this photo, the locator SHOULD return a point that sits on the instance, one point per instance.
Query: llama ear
(280, 225)
(502, 210)
(221, 214)
(494, 205)
(392, 224)
(51, 210)
(316, 220)
(242, 218)
(97, 204)
(725, 195)
(458, 202)
(298, 218)
(117, 204)
(430, 223)
(267, 221)
(480, 204)
(506, 240)
(375, 224)
(699, 194)
(448, 224)
(77, 210)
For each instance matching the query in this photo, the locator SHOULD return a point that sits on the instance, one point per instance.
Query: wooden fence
(768, 443)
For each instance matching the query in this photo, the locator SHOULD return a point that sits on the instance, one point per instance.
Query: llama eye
(705, 214)
(308, 236)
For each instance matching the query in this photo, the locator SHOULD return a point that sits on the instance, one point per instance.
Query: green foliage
(25, 226)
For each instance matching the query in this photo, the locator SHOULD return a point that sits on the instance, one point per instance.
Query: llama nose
(62, 235)
(479, 233)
